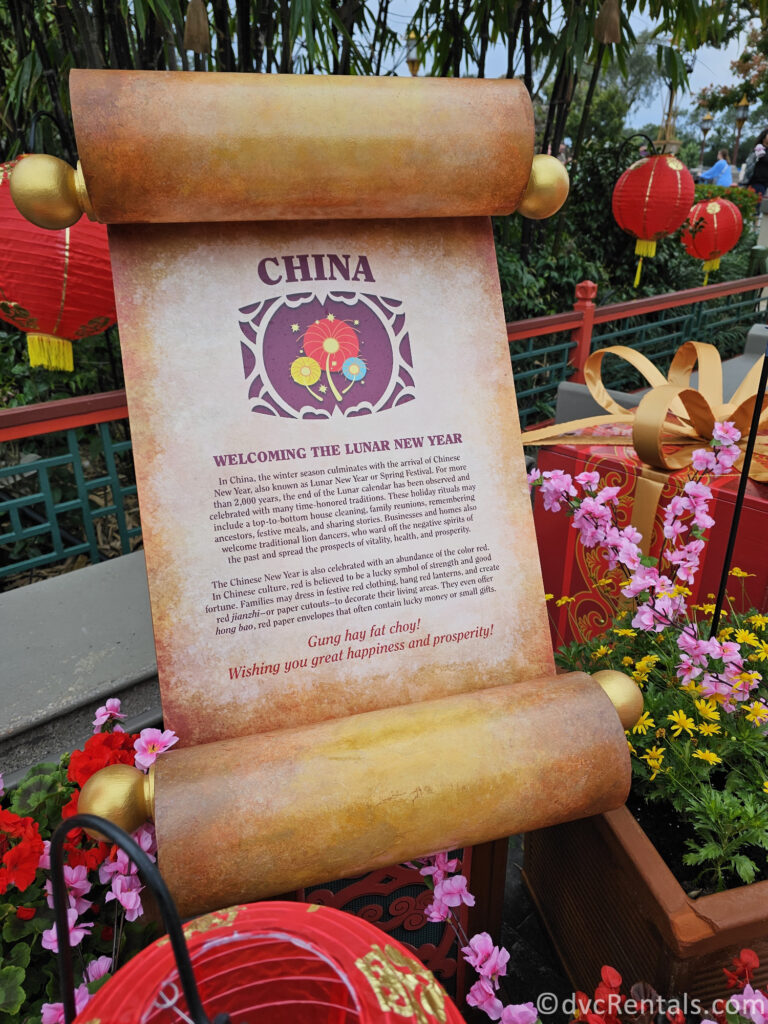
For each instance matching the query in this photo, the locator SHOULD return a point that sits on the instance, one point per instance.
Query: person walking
(756, 169)
(720, 172)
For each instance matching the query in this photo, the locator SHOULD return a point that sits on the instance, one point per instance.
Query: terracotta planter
(607, 897)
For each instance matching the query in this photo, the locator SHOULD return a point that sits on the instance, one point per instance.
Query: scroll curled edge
(296, 807)
(190, 146)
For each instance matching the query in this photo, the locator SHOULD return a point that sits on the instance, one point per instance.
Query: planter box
(607, 897)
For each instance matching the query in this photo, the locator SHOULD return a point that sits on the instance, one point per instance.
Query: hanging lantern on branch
(651, 200)
(56, 286)
(714, 227)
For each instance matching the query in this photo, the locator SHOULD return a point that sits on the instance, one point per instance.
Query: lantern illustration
(56, 286)
(652, 199)
(715, 227)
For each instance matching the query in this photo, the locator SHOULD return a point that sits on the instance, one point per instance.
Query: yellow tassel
(639, 271)
(645, 247)
(713, 264)
(608, 24)
(49, 351)
(197, 35)
(706, 276)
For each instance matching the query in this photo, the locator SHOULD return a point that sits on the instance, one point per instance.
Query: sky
(712, 67)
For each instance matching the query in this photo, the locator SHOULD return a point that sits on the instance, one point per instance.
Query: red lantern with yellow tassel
(714, 227)
(651, 200)
(56, 286)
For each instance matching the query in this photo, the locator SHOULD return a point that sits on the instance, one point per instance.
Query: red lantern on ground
(715, 227)
(56, 286)
(652, 199)
(278, 963)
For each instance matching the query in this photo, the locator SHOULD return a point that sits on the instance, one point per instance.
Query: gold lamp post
(412, 53)
(742, 113)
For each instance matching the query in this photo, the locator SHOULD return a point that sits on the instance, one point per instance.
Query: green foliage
(721, 804)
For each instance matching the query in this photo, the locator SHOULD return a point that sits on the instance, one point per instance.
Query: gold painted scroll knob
(48, 192)
(624, 693)
(547, 188)
(121, 794)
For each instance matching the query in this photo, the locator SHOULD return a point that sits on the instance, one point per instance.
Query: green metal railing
(78, 498)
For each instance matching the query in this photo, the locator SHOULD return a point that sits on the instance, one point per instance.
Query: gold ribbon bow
(671, 421)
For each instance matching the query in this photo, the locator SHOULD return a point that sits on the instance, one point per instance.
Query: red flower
(25, 913)
(18, 864)
(610, 977)
(745, 964)
(330, 342)
(100, 750)
(678, 1017)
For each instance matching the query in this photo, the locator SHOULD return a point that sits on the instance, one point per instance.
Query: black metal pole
(154, 879)
(750, 447)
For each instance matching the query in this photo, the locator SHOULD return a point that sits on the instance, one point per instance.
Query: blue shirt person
(720, 172)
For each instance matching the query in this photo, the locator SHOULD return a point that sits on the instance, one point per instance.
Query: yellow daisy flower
(681, 721)
(626, 661)
(708, 609)
(735, 571)
(708, 709)
(757, 713)
(564, 600)
(760, 621)
(708, 755)
(761, 651)
(765, 787)
(601, 652)
(653, 754)
(691, 686)
(624, 632)
(709, 729)
(548, 597)
(644, 723)
(746, 636)
(725, 633)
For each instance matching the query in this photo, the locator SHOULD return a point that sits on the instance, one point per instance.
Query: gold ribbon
(673, 419)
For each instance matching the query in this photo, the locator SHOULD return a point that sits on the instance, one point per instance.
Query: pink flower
(437, 911)
(520, 1013)
(438, 865)
(751, 1004)
(125, 889)
(77, 932)
(726, 433)
(2, 787)
(453, 892)
(109, 712)
(76, 880)
(704, 460)
(45, 856)
(533, 478)
(488, 960)
(556, 487)
(589, 481)
(150, 743)
(98, 968)
(53, 1013)
(483, 995)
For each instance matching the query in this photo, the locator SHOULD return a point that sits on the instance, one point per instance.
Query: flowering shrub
(105, 905)
(699, 745)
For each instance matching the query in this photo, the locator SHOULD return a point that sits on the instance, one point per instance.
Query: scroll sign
(347, 602)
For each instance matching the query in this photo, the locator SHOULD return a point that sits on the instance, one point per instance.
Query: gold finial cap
(547, 188)
(48, 192)
(624, 693)
(121, 794)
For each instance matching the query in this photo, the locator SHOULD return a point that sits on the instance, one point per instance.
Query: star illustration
(331, 317)
(295, 328)
(356, 322)
(322, 389)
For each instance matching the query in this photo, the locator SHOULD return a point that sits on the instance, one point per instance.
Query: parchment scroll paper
(332, 486)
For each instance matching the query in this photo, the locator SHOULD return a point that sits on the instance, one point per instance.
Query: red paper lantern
(278, 963)
(715, 227)
(652, 199)
(56, 286)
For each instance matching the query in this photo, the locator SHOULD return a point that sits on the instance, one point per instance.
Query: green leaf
(648, 561)
(11, 991)
(745, 868)
(19, 955)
